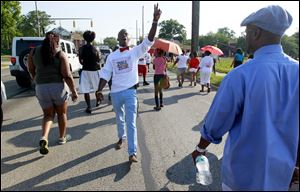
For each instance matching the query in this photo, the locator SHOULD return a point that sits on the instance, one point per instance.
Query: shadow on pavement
(184, 173)
(33, 184)
(170, 100)
(76, 132)
(7, 167)
(197, 127)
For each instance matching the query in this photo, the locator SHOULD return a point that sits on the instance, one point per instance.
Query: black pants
(158, 89)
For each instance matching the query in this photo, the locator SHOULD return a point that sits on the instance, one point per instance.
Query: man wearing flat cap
(258, 105)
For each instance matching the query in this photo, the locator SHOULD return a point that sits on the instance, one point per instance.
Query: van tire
(23, 82)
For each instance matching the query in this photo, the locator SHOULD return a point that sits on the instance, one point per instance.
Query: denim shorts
(181, 71)
(51, 94)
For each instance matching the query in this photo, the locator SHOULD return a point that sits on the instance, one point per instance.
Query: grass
(224, 65)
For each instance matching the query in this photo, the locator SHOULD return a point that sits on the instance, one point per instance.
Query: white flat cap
(273, 18)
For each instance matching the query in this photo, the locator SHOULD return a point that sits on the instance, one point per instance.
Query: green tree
(111, 42)
(10, 14)
(172, 29)
(290, 46)
(226, 32)
(296, 36)
(208, 39)
(29, 24)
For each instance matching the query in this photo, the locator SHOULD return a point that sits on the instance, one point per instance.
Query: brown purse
(165, 82)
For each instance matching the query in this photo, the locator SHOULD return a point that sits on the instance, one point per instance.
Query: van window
(105, 51)
(68, 48)
(63, 48)
(73, 49)
(22, 45)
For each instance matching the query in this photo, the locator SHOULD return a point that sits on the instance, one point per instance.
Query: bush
(6, 52)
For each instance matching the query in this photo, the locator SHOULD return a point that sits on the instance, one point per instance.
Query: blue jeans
(125, 102)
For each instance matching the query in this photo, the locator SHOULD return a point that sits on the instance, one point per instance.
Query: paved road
(90, 162)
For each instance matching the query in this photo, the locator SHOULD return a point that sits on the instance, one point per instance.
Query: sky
(110, 16)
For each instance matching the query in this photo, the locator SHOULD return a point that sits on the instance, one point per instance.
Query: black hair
(207, 53)
(89, 36)
(160, 52)
(239, 50)
(48, 48)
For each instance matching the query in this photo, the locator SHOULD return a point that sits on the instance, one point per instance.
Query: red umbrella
(214, 50)
(167, 46)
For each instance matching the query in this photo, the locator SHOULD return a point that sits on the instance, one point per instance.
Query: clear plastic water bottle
(203, 174)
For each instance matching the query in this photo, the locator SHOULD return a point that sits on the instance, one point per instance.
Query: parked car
(21, 47)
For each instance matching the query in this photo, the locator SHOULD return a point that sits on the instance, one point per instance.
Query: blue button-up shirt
(258, 104)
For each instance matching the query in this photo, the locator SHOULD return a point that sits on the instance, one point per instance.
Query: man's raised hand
(157, 13)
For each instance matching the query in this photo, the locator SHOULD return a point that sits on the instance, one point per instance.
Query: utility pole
(195, 25)
(136, 30)
(38, 20)
(143, 22)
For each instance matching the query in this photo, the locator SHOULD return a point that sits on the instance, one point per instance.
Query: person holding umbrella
(159, 65)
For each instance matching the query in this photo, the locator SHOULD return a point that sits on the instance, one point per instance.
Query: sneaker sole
(44, 147)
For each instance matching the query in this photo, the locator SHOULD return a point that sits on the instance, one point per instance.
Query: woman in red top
(193, 67)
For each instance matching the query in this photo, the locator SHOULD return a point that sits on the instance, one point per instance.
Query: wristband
(200, 150)
(154, 22)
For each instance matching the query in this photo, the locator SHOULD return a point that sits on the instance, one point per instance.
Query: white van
(105, 51)
(21, 47)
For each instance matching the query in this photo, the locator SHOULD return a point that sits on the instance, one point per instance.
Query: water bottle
(203, 175)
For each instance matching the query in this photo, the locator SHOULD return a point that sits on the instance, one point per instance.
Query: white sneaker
(63, 140)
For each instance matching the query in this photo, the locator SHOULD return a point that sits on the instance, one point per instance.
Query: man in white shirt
(122, 65)
(181, 67)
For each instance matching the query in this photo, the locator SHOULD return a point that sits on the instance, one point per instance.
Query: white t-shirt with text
(122, 66)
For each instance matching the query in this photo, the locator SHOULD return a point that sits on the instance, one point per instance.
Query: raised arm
(156, 16)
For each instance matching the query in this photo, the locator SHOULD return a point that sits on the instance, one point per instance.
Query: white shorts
(89, 81)
(193, 70)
